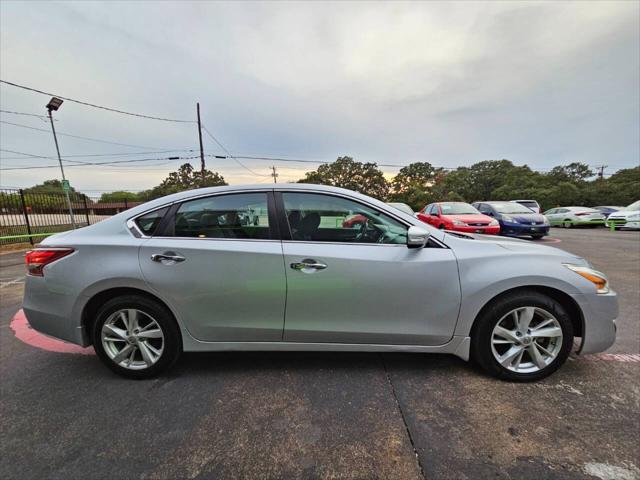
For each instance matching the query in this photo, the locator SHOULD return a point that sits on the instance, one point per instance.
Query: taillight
(580, 214)
(36, 260)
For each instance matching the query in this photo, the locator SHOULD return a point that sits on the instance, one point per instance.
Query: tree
(185, 178)
(119, 196)
(417, 184)
(346, 173)
(51, 186)
(574, 172)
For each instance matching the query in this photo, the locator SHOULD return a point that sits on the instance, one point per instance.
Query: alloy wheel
(526, 340)
(132, 339)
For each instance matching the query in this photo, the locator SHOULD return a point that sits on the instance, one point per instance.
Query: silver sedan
(279, 268)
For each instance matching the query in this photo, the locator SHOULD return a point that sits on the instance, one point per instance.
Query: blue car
(515, 220)
(607, 210)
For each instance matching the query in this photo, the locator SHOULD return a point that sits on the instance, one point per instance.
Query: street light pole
(54, 104)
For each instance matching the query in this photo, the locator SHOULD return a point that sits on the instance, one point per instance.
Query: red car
(458, 216)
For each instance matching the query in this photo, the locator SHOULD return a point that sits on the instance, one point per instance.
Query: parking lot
(327, 415)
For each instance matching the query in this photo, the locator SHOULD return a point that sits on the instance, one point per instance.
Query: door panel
(219, 262)
(224, 290)
(380, 294)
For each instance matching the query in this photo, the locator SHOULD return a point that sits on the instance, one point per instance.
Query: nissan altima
(186, 273)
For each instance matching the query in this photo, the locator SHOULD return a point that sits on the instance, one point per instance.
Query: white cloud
(453, 83)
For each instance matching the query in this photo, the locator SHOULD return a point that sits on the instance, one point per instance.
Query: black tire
(537, 237)
(172, 340)
(441, 227)
(567, 224)
(481, 351)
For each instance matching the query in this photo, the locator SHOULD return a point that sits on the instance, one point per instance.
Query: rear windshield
(457, 209)
(509, 207)
(529, 204)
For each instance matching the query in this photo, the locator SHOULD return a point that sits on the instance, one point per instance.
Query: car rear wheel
(522, 337)
(136, 337)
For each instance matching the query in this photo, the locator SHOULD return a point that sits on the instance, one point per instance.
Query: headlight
(459, 223)
(494, 223)
(599, 279)
(634, 218)
(507, 218)
(545, 221)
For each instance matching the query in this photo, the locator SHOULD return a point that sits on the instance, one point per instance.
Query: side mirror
(417, 237)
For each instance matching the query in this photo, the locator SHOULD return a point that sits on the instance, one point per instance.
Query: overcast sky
(540, 83)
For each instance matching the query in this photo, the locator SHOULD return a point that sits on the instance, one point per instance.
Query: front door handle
(308, 263)
(168, 256)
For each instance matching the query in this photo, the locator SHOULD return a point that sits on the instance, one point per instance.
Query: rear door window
(233, 216)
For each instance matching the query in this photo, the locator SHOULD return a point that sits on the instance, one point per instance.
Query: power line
(115, 110)
(43, 117)
(114, 162)
(76, 136)
(230, 155)
(86, 155)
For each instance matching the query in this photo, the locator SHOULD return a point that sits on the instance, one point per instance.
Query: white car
(628, 217)
(568, 217)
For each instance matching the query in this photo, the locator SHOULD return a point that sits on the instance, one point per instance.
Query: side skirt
(458, 345)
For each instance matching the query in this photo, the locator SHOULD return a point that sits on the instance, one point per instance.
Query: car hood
(525, 217)
(624, 214)
(469, 217)
(520, 246)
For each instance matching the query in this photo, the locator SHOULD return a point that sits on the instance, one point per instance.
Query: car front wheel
(523, 336)
(136, 337)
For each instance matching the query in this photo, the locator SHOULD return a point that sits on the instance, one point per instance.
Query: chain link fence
(29, 217)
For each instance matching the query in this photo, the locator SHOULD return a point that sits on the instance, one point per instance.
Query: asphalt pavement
(326, 415)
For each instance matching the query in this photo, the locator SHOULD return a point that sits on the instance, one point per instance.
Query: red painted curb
(28, 335)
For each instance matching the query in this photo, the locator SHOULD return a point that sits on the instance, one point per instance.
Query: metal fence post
(126, 205)
(26, 216)
(86, 209)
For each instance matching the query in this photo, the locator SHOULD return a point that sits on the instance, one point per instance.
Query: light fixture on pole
(54, 105)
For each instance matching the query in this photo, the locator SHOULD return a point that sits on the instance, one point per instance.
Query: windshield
(528, 204)
(509, 207)
(402, 207)
(633, 206)
(458, 209)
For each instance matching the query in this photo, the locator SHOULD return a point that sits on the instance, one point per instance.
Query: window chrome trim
(136, 232)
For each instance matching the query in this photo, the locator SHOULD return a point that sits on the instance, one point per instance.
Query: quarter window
(325, 218)
(148, 222)
(237, 216)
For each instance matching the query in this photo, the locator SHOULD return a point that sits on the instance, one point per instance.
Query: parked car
(144, 285)
(530, 204)
(628, 217)
(515, 220)
(568, 217)
(607, 210)
(402, 207)
(459, 217)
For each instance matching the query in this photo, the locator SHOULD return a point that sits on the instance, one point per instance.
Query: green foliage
(346, 173)
(419, 184)
(119, 196)
(186, 178)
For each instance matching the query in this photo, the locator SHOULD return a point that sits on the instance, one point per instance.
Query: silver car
(185, 273)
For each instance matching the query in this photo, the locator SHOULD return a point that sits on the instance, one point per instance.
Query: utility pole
(202, 166)
(54, 104)
(274, 174)
(600, 169)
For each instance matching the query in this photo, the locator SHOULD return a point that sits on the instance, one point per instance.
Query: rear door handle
(308, 263)
(168, 256)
